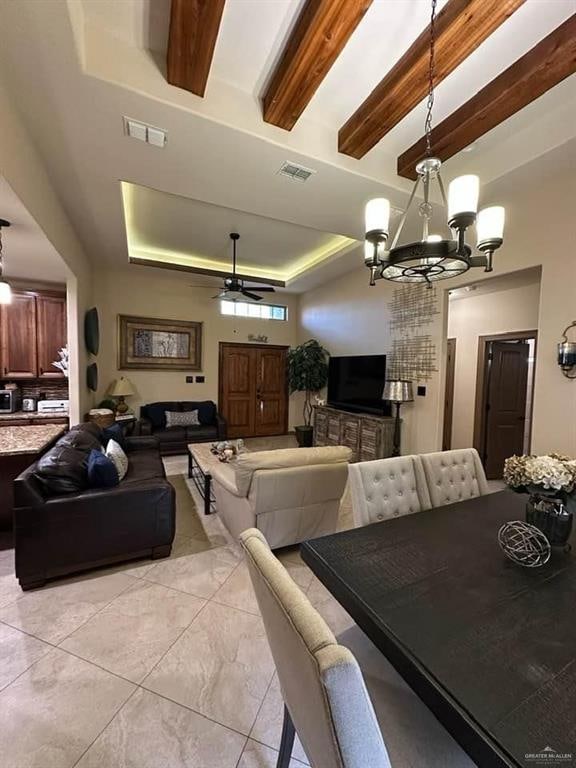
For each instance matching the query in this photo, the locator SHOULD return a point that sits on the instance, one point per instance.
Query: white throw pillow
(117, 455)
(182, 418)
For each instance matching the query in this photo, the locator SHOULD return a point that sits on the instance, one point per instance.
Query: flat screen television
(356, 383)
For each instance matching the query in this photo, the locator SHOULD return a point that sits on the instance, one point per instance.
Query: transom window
(249, 309)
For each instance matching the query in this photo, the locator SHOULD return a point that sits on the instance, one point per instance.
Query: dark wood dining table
(488, 645)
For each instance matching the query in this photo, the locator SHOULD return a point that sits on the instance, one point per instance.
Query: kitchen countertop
(32, 415)
(28, 439)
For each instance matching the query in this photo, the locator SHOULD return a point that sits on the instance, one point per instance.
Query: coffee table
(201, 460)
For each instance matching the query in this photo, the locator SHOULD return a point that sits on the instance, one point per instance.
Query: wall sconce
(567, 353)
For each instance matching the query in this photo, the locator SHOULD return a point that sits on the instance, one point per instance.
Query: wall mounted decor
(92, 377)
(413, 352)
(567, 352)
(92, 331)
(149, 343)
(260, 338)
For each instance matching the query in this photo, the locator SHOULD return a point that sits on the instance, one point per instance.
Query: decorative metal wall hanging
(413, 351)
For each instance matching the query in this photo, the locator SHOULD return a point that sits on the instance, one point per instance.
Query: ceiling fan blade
(249, 295)
(221, 295)
(265, 288)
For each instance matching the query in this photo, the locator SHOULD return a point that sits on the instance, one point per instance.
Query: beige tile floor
(147, 665)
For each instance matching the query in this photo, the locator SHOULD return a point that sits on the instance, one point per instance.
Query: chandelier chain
(431, 73)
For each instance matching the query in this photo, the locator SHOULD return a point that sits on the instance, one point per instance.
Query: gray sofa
(173, 440)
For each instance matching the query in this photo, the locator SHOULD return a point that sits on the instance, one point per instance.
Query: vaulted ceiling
(336, 86)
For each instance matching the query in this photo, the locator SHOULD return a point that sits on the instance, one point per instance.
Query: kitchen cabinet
(19, 351)
(32, 330)
(50, 334)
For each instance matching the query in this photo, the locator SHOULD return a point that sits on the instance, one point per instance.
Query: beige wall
(349, 317)
(149, 293)
(499, 311)
(22, 167)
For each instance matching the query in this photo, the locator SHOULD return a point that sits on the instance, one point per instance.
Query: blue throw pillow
(115, 432)
(102, 472)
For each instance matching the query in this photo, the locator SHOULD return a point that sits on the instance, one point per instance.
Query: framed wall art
(152, 344)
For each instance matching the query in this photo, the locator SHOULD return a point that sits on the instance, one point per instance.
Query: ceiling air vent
(295, 172)
(143, 132)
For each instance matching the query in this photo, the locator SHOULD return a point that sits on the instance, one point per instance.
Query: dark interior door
(507, 382)
(253, 396)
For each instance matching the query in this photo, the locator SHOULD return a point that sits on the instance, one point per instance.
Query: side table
(127, 421)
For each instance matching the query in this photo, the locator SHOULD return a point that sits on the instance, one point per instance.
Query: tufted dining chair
(387, 488)
(340, 694)
(454, 476)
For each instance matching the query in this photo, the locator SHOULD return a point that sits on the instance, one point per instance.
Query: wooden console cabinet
(369, 437)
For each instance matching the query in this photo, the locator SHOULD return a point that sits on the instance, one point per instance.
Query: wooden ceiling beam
(322, 30)
(194, 26)
(550, 61)
(461, 26)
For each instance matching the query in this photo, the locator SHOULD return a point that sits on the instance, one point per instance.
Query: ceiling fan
(235, 285)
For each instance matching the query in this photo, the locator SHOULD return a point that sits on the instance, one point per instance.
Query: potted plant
(308, 373)
(550, 482)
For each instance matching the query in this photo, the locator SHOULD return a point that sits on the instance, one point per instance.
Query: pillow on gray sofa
(182, 419)
(156, 413)
(206, 410)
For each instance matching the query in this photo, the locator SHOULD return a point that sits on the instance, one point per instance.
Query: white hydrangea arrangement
(552, 475)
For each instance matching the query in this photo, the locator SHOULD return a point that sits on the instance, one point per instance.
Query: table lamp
(397, 391)
(121, 388)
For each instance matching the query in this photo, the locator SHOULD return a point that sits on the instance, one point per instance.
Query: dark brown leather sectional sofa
(61, 526)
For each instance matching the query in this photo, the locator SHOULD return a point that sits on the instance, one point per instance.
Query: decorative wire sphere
(524, 544)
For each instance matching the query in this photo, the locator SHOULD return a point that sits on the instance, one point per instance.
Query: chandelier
(5, 290)
(433, 257)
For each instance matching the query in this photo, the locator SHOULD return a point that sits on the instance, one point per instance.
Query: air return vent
(143, 132)
(295, 172)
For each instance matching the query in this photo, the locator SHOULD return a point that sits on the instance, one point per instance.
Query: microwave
(10, 400)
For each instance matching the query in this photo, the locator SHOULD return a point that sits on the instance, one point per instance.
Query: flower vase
(550, 516)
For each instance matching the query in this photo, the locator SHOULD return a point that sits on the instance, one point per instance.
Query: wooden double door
(253, 389)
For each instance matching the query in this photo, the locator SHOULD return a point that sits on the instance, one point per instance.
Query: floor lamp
(397, 391)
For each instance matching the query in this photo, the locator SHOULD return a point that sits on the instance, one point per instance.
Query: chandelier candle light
(5, 290)
(433, 257)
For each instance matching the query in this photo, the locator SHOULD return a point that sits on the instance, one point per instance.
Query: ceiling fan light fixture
(234, 288)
